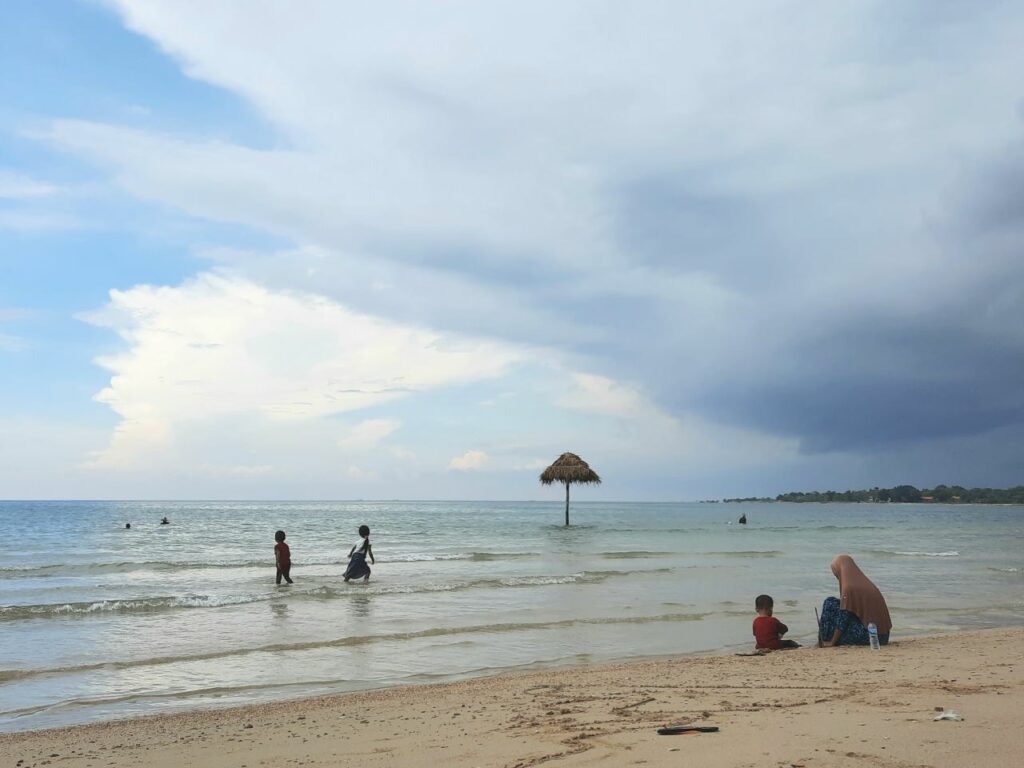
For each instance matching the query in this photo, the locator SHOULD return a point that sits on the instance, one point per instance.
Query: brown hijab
(859, 596)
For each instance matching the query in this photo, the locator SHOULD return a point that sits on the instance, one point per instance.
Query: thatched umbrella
(569, 468)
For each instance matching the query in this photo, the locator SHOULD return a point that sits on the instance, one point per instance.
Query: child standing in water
(283, 557)
(357, 566)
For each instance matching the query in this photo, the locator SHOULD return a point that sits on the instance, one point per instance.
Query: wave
(745, 553)
(808, 528)
(131, 566)
(1004, 570)
(634, 531)
(140, 605)
(897, 553)
(634, 554)
(540, 581)
(357, 640)
(486, 557)
(322, 592)
(476, 557)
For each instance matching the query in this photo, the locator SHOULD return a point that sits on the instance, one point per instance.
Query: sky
(330, 250)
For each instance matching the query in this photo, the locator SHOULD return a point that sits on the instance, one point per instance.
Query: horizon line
(349, 501)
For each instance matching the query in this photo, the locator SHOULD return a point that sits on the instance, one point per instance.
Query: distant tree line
(944, 494)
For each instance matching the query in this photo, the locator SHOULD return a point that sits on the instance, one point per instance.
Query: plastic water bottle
(873, 636)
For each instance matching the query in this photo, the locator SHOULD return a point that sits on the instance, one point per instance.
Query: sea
(99, 622)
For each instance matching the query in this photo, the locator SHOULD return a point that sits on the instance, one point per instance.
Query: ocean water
(99, 622)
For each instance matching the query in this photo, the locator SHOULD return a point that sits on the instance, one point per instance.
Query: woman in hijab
(844, 620)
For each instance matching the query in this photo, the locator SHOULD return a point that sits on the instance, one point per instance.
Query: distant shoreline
(900, 494)
(843, 501)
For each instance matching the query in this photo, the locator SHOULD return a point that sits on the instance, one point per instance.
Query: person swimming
(743, 519)
(127, 525)
(165, 521)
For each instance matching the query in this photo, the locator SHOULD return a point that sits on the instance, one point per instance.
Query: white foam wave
(928, 554)
(536, 581)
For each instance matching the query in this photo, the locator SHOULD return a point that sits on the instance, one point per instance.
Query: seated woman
(844, 620)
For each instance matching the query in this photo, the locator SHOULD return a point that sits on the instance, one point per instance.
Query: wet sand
(809, 707)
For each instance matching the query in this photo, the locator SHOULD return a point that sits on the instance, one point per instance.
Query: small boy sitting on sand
(768, 630)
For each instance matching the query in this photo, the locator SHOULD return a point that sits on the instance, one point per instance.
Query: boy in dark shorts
(283, 558)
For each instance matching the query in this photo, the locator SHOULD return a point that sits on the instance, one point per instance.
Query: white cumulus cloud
(470, 460)
(367, 434)
(599, 394)
(219, 347)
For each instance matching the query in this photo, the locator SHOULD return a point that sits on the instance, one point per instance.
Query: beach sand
(809, 707)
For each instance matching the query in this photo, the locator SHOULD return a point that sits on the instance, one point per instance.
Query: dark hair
(279, 536)
(763, 601)
(364, 530)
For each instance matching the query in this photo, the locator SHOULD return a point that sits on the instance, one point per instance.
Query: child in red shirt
(283, 558)
(767, 629)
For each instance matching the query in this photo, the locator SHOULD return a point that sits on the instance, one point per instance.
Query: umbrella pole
(567, 504)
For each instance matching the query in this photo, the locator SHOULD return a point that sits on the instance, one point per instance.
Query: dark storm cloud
(666, 222)
(950, 362)
(996, 202)
(856, 404)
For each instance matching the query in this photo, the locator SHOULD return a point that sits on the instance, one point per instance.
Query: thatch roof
(569, 468)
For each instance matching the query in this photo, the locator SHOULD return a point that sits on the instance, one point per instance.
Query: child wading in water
(283, 558)
(357, 566)
(767, 629)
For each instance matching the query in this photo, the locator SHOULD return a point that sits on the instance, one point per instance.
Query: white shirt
(360, 546)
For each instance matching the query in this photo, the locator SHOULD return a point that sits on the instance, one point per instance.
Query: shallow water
(97, 621)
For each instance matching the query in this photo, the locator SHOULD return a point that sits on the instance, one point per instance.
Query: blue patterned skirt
(853, 630)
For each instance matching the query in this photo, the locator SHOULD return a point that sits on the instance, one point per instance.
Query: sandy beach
(809, 707)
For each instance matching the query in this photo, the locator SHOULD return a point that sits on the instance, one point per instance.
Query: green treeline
(945, 494)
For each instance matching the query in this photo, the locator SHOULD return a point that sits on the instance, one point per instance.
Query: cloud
(358, 473)
(367, 434)
(770, 233)
(640, 430)
(25, 209)
(237, 470)
(219, 347)
(226, 380)
(19, 187)
(534, 464)
(599, 394)
(469, 461)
